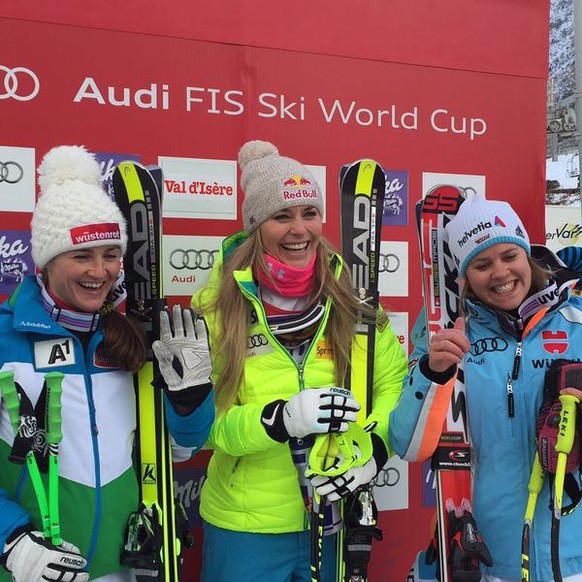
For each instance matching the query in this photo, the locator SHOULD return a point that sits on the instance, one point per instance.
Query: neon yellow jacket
(252, 483)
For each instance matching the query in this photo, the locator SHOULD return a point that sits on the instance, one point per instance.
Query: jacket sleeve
(389, 371)
(191, 431)
(12, 517)
(416, 422)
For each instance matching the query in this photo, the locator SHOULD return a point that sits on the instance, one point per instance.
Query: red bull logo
(296, 181)
(295, 187)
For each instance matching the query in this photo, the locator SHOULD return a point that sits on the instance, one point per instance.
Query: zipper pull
(516, 361)
(510, 403)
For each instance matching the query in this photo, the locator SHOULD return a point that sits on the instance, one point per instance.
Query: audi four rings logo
(488, 344)
(17, 84)
(256, 341)
(10, 172)
(389, 263)
(193, 259)
(387, 477)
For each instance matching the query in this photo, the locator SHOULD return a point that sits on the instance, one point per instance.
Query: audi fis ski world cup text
(23, 84)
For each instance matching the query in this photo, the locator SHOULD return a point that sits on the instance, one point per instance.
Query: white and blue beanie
(480, 224)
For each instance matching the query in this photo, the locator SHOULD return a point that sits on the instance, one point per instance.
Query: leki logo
(20, 84)
(555, 342)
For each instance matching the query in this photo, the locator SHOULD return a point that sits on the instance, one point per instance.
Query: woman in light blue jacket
(520, 316)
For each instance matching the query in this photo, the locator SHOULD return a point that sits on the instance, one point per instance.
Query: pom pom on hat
(272, 183)
(480, 224)
(73, 210)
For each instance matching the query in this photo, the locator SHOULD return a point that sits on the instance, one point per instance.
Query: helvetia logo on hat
(499, 222)
(295, 187)
(468, 235)
(87, 233)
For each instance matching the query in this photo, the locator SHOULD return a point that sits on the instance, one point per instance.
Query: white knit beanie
(73, 211)
(272, 183)
(480, 224)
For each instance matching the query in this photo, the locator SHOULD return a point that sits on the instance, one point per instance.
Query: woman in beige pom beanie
(281, 316)
(64, 320)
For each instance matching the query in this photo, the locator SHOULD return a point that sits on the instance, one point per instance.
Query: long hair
(124, 341)
(539, 280)
(234, 314)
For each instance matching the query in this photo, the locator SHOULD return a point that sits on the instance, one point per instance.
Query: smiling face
(83, 278)
(292, 235)
(501, 276)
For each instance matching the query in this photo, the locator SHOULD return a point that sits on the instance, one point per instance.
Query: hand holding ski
(448, 346)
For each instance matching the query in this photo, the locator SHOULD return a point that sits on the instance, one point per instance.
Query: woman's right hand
(448, 347)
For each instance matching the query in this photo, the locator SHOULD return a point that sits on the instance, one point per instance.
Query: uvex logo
(555, 342)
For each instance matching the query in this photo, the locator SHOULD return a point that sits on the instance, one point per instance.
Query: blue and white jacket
(98, 486)
(503, 446)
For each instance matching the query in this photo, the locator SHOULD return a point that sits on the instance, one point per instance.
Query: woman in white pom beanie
(281, 314)
(64, 320)
(520, 319)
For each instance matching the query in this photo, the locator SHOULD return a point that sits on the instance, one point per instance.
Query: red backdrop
(402, 82)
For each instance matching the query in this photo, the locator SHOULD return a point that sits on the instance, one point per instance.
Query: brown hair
(124, 341)
(234, 313)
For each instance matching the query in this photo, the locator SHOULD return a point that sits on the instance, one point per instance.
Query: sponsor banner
(563, 226)
(188, 481)
(393, 269)
(428, 485)
(466, 182)
(391, 485)
(17, 179)
(15, 259)
(197, 188)
(188, 261)
(396, 198)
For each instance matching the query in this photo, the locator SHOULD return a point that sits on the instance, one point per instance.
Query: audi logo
(388, 477)
(389, 263)
(193, 259)
(12, 79)
(11, 172)
(256, 341)
(488, 344)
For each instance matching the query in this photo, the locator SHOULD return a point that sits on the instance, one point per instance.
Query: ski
(153, 545)
(451, 462)
(362, 189)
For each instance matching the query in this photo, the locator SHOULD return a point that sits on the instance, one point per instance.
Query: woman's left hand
(334, 488)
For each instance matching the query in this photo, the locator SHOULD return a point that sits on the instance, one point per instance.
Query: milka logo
(13, 249)
(478, 229)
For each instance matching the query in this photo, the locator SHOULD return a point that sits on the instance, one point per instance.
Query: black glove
(314, 410)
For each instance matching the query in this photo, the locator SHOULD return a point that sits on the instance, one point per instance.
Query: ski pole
(564, 444)
(54, 436)
(534, 487)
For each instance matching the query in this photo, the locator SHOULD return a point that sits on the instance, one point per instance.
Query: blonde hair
(234, 313)
(539, 280)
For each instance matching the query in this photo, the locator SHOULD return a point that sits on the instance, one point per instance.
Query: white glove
(188, 345)
(31, 558)
(314, 410)
(334, 488)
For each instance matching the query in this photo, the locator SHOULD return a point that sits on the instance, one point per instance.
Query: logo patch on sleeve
(54, 353)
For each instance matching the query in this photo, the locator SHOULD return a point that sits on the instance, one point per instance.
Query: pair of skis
(362, 188)
(154, 541)
(457, 544)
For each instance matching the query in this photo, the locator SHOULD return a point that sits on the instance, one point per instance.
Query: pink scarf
(288, 281)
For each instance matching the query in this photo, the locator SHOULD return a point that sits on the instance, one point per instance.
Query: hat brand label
(95, 233)
(294, 187)
(469, 234)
